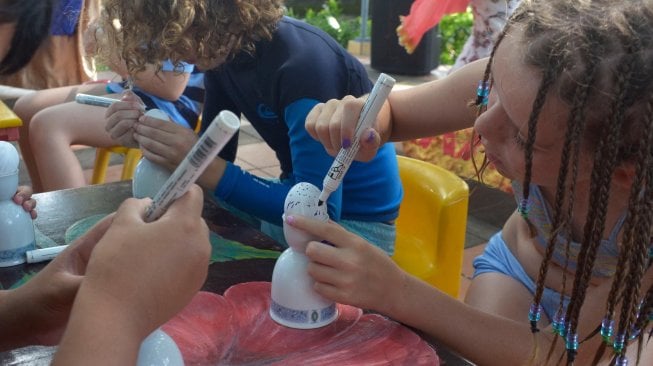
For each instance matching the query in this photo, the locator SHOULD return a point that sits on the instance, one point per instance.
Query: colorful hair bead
(619, 342)
(482, 93)
(572, 342)
(621, 360)
(534, 315)
(572, 346)
(634, 332)
(524, 207)
(559, 323)
(607, 328)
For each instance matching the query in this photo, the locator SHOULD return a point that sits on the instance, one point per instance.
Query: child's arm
(426, 110)
(124, 294)
(434, 108)
(354, 272)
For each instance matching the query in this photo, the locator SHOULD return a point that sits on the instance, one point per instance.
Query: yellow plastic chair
(431, 224)
(132, 156)
(102, 155)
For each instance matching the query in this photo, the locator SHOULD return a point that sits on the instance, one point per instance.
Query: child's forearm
(101, 331)
(211, 177)
(419, 112)
(13, 334)
(481, 337)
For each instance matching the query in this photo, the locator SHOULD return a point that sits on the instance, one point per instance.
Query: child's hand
(121, 118)
(333, 124)
(150, 271)
(164, 142)
(42, 306)
(138, 276)
(24, 198)
(352, 271)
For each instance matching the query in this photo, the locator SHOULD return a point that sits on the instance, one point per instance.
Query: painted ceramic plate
(236, 329)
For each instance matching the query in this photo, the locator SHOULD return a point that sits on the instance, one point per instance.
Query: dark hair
(32, 18)
(596, 56)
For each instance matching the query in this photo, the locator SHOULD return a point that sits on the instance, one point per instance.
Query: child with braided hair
(564, 108)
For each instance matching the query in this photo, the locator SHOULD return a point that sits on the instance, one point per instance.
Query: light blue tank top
(539, 214)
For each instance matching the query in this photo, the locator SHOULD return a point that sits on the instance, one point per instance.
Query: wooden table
(60, 209)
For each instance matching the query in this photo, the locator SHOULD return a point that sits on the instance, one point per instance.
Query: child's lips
(491, 158)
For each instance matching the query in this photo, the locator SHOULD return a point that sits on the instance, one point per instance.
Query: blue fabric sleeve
(264, 198)
(256, 196)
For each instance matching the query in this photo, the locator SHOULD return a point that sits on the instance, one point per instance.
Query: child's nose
(486, 126)
(492, 125)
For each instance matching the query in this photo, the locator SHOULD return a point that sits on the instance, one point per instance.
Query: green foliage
(349, 7)
(331, 20)
(454, 31)
(454, 28)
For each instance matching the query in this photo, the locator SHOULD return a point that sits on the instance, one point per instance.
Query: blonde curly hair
(209, 31)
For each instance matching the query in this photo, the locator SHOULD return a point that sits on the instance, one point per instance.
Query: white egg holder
(16, 228)
(294, 302)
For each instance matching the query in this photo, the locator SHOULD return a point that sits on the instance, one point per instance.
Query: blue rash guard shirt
(275, 89)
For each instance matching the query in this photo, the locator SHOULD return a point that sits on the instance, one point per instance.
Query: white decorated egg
(302, 199)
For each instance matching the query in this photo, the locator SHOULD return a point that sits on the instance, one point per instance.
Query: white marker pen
(219, 132)
(45, 254)
(343, 160)
(94, 100)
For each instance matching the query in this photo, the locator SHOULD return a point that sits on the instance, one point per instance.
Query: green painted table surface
(58, 210)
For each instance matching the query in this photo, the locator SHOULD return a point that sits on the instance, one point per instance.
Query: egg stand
(294, 302)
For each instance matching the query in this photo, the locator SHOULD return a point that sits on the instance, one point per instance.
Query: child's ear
(624, 174)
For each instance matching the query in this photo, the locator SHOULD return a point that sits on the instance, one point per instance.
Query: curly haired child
(271, 69)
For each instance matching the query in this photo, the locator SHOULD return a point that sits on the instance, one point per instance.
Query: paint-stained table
(58, 210)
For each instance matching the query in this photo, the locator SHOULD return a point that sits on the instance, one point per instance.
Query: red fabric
(236, 329)
(424, 15)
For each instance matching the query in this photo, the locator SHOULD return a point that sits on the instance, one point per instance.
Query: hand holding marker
(216, 136)
(343, 160)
